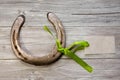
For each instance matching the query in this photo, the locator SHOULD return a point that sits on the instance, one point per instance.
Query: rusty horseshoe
(24, 56)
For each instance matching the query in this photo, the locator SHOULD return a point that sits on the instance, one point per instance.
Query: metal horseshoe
(24, 56)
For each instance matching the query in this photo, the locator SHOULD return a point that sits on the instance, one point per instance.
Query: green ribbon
(70, 51)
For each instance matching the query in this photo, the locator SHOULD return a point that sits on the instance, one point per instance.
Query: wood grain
(30, 37)
(72, 13)
(80, 18)
(107, 69)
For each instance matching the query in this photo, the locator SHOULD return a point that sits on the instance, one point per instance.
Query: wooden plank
(39, 18)
(61, 6)
(84, 13)
(105, 69)
(71, 32)
(42, 41)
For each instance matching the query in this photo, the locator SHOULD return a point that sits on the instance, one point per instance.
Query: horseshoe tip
(22, 16)
(48, 14)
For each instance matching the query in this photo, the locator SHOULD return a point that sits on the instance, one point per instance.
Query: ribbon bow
(70, 51)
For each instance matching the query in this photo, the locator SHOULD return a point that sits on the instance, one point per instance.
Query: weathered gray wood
(61, 6)
(41, 41)
(66, 69)
(77, 12)
(39, 19)
(80, 18)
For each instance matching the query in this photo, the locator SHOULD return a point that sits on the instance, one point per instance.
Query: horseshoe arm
(26, 57)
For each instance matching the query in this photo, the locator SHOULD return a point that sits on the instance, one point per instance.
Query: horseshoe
(24, 56)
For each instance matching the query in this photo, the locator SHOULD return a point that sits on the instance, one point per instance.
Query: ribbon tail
(79, 61)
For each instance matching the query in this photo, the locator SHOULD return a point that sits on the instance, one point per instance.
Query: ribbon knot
(70, 51)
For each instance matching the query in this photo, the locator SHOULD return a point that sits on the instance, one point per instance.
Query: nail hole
(54, 55)
(19, 53)
(25, 58)
(15, 47)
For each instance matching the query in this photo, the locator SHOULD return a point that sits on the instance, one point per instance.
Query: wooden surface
(80, 18)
